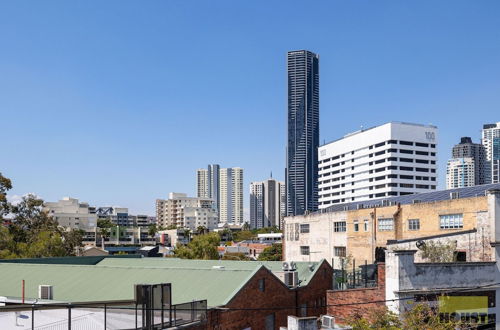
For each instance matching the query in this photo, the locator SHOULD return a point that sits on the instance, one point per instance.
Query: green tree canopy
(272, 253)
(201, 247)
(30, 231)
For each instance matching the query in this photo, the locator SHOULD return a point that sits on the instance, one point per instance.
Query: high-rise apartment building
(491, 142)
(208, 182)
(267, 203)
(202, 187)
(231, 195)
(303, 132)
(467, 157)
(393, 159)
(460, 173)
(186, 212)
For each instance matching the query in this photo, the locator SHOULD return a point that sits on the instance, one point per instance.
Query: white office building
(460, 173)
(267, 203)
(69, 212)
(491, 142)
(231, 195)
(186, 212)
(393, 159)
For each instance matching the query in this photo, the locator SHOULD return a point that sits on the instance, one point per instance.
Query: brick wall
(250, 306)
(362, 300)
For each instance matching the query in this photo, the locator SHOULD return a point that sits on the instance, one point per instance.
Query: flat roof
(427, 197)
(373, 127)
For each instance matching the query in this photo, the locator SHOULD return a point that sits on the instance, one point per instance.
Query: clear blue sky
(119, 102)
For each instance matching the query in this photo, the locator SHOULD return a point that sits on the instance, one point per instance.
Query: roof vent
(455, 195)
(218, 267)
(45, 292)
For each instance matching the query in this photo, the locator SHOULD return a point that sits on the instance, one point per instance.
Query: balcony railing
(98, 315)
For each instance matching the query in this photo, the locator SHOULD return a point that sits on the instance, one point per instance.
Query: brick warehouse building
(239, 294)
(360, 229)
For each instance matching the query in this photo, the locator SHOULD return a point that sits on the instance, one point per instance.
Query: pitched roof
(76, 283)
(114, 278)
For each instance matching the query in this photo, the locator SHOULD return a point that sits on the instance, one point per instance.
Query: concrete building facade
(460, 173)
(231, 195)
(267, 203)
(468, 151)
(491, 142)
(393, 159)
(186, 212)
(71, 213)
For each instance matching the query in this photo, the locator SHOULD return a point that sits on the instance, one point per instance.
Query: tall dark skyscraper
(303, 132)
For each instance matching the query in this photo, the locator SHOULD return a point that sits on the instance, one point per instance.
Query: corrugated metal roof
(74, 283)
(305, 273)
(114, 278)
(433, 196)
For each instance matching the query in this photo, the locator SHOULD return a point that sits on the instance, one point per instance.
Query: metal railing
(347, 276)
(98, 315)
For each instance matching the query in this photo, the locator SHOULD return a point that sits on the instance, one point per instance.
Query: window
(304, 250)
(340, 251)
(386, 224)
(414, 224)
(406, 143)
(339, 226)
(356, 225)
(262, 284)
(451, 221)
(366, 225)
(304, 228)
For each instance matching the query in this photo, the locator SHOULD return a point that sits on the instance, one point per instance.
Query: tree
(235, 256)
(152, 230)
(5, 185)
(201, 247)
(438, 251)
(30, 231)
(419, 317)
(104, 226)
(272, 253)
(201, 230)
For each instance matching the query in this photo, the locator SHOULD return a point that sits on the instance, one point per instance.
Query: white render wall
(69, 212)
(321, 238)
(364, 165)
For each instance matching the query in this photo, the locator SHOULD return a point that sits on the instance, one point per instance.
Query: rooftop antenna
(271, 174)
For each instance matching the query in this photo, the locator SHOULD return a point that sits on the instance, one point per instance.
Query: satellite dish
(420, 244)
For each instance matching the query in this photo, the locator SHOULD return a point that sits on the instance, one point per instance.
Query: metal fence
(90, 316)
(349, 276)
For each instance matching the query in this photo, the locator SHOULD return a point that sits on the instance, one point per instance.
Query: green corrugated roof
(84, 260)
(305, 273)
(114, 278)
(75, 283)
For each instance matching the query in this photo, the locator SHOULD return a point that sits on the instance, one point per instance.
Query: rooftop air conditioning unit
(327, 322)
(291, 279)
(286, 266)
(293, 266)
(45, 292)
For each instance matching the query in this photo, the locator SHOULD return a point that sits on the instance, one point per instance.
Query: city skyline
(103, 116)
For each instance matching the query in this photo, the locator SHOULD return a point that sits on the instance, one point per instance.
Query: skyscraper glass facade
(303, 132)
